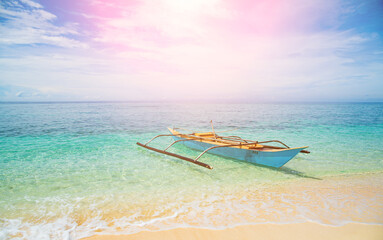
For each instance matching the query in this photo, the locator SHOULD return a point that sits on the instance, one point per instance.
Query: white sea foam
(66, 218)
(67, 228)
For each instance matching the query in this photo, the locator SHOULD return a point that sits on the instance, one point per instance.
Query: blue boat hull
(267, 158)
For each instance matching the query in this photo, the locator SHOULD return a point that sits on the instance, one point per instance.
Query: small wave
(327, 202)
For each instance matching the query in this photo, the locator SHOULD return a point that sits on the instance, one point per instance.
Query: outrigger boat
(229, 146)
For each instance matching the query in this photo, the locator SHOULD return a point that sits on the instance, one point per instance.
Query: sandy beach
(366, 185)
(297, 231)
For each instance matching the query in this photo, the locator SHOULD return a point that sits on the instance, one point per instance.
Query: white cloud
(35, 26)
(31, 3)
(217, 51)
(199, 50)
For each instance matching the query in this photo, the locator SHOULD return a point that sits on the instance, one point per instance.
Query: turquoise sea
(70, 170)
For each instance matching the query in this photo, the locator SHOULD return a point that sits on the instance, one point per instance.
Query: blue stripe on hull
(271, 159)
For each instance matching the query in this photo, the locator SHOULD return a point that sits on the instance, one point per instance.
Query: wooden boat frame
(221, 141)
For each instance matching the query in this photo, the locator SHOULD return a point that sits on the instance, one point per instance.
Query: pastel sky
(224, 50)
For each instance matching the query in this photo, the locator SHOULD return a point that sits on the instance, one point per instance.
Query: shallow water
(69, 169)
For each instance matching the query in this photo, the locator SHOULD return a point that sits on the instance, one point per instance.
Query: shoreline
(365, 184)
(347, 206)
(296, 231)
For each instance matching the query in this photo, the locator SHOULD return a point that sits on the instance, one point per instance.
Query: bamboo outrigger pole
(177, 156)
(212, 127)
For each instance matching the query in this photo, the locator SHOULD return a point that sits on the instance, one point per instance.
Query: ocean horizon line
(192, 102)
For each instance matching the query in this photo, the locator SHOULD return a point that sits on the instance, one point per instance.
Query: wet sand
(356, 198)
(297, 231)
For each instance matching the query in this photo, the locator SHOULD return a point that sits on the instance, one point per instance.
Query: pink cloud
(112, 8)
(274, 17)
(206, 48)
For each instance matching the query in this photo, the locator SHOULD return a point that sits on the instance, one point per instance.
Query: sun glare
(187, 5)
